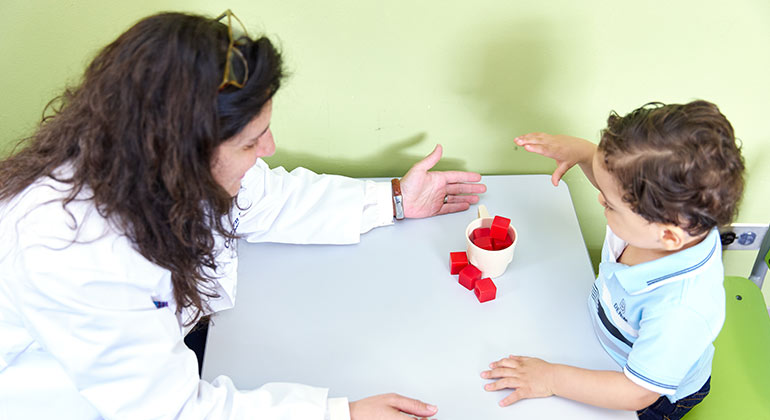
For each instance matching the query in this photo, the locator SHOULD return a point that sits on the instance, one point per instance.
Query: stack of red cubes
(493, 238)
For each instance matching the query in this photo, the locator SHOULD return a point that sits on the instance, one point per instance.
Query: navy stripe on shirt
(686, 270)
(650, 381)
(609, 327)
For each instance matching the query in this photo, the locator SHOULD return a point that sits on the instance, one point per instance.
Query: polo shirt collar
(652, 274)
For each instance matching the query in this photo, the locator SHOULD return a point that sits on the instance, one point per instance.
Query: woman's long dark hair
(140, 131)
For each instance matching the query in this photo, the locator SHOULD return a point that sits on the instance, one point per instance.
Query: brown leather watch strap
(398, 205)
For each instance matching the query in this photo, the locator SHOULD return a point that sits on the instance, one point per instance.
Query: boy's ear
(672, 237)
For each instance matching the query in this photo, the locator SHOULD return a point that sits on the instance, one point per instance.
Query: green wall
(374, 85)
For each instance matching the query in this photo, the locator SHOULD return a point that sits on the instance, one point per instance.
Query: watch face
(399, 207)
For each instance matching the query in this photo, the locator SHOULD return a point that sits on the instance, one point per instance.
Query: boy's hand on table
(565, 150)
(535, 378)
(529, 376)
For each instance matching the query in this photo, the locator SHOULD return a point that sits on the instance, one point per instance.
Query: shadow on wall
(529, 76)
(503, 76)
(389, 161)
(512, 87)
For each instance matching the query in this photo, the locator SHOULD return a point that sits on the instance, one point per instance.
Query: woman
(117, 220)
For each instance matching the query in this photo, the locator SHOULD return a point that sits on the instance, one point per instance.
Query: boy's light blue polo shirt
(659, 319)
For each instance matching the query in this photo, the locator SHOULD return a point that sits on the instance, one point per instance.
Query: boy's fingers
(529, 137)
(501, 384)
(544, 150)
(559, 172)
(556, 177)
(535, 148)
(511, 398)
(499, 372)
(522, 140)
(508, 362)
(495, 363)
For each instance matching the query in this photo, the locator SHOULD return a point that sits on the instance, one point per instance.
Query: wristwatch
(398, 200)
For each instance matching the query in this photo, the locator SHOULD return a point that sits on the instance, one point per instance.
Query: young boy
(667, 176)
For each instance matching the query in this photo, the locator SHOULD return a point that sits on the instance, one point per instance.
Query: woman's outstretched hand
(390, 407)
(427, 193)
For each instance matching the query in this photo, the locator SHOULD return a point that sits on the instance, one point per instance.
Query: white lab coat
(81, 336)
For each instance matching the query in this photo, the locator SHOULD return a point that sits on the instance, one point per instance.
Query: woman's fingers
(461, 188)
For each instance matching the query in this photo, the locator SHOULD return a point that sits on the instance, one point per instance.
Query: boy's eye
(248, 146)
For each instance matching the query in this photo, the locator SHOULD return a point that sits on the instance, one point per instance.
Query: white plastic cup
(491, 263)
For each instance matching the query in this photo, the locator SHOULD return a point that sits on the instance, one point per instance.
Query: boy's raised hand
(565, 150)
(530, 377)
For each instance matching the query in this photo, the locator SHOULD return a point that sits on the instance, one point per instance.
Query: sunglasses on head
(231, 77)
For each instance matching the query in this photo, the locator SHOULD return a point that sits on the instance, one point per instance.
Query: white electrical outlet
(742, 236)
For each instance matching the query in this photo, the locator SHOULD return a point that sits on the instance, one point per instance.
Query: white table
(385, 315)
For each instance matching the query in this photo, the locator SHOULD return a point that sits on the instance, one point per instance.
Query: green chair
(740, 376)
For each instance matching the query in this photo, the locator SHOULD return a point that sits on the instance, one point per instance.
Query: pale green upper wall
(374, 85)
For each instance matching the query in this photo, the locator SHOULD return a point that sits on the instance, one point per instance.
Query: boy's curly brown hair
(676, 164)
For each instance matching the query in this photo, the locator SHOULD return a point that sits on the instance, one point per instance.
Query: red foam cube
(469, 275)
(479, 233)
(485, 289)
(457, 261)
(499, 227)
(485, 242)
(505, 243)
